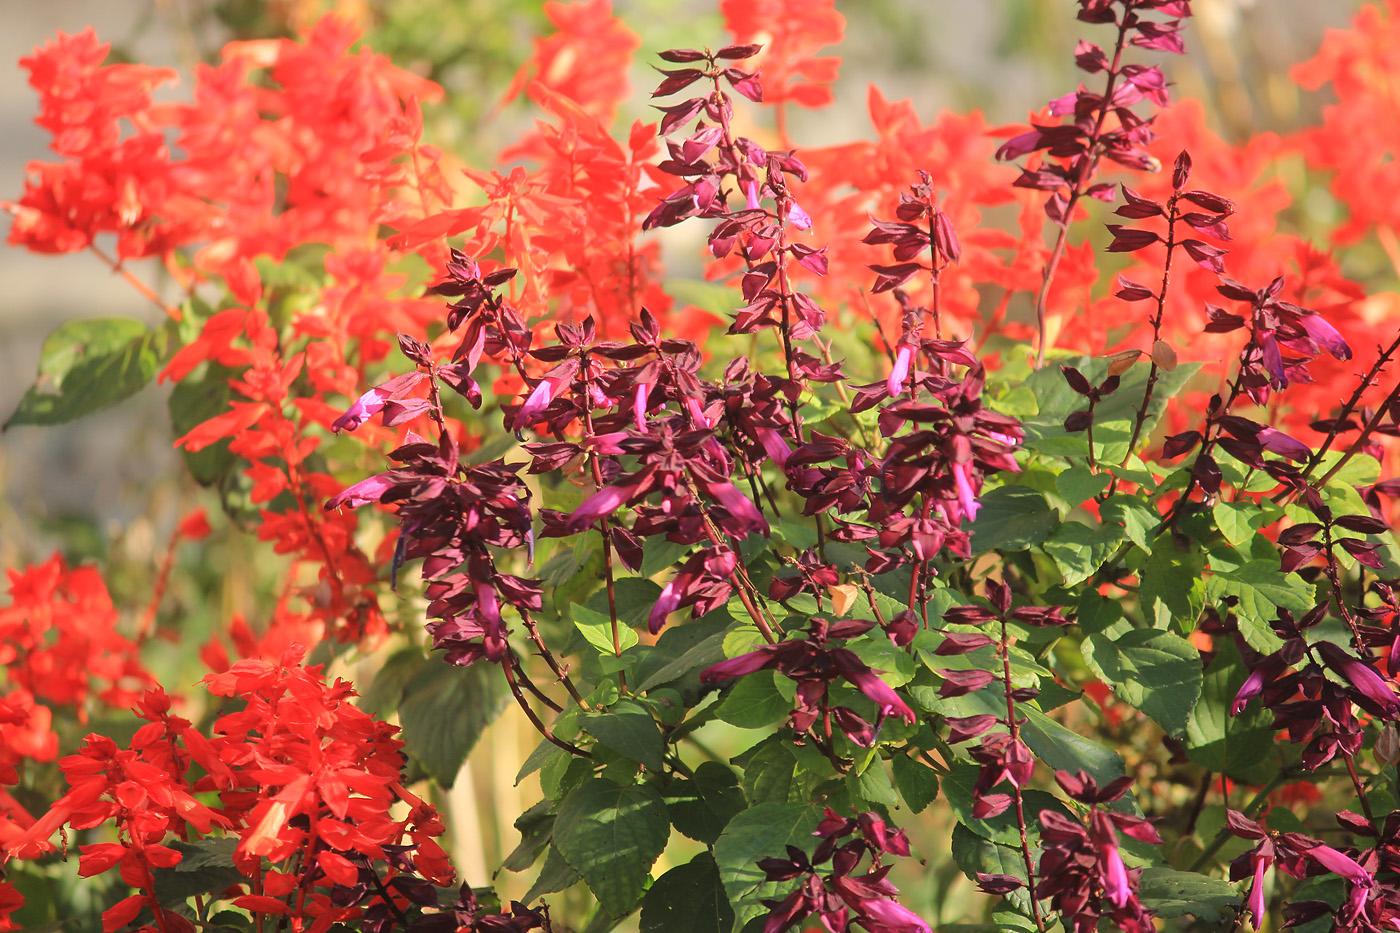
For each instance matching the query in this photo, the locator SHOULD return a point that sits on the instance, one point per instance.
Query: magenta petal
(1115, 877)
(751, 196)
(1326, 336)
(774, 445)
(736, 667)
(365, 408)
(599, 505)
(1255, 904)
(639, 405)
(739, 506)
(365, 491)
(798, 217)
(1253, 686)
(1339, 864)
(537, 402)
(889, 914)
(900, 372)
(967, 498)
(1273, 361)
(1284, 445)
(666, 604)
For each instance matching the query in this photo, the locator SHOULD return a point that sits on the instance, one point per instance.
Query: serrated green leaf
(1170, 893)
(682, 649)
(555, 875)
(88, 365)
(976, 854)
(754, 702)
(917, 783)
(597, 630)
(1236, 746)
(1239, 521)
(444, 715)
(628, 729)
(760, 832)
(612, 835)
(634, 598)
(1012, 518)
(1078, 484)
(1172, 593)
(1261, 590)
(1138, 519)
(689, 898)
(1156, 672)
(702, 806)
(1079, 550)
(1064, 750)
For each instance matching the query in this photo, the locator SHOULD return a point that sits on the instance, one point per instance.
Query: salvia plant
(897, 575)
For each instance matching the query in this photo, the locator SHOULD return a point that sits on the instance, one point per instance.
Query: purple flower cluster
(1081, 866)
(1077, 146)
(814, 664)
(840, 896)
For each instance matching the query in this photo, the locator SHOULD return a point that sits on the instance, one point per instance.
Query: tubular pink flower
(1255, 904)
(537, 402)
(1283, 445)
(900, 372)
(639, 405)
(751, 196)
(870, 683)
(1253, 686)
(599, 505)
(776, 448)
(365, 408)
(734, 667)
(745, 513)
(1326, 336)
(666, 604)
(798, 217)
(966, 496)
(365, 491)
(892, 915)
(1339, 864)
(1115, 876)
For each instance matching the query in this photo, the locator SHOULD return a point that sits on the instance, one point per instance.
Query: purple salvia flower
(798, 217)
(373, 401)
(1255, 904)
(1251, 688)
(365, 491)
(536, 402)
(1326, 336)
(900, 371)
(599, 505)
(1283, 445)
(967, 498)
(747, 517)
(774, 445)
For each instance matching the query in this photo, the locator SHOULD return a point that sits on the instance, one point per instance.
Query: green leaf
(635, 597)
(1079, 550)
(612, 835)
(701, 807)
(597, 630)
(770, 773)
(205, 866)
(1113, 417)
(86, 366)
(976, 854)
(760, 832)
(1261, 590)
(689, 898)
(447, 711)
(682, 649)
(536, 826)
(917, 783)
(1238, 521)
(1170, 893)
(754, 702)
(195, 399)
(1236, 746)
(1153, 671)
(555, 875)
(629, 730)
(1138, 519)
(1064, 750)
(1012, 518)
(1171, 590)
(386, 689)
(1078, 484)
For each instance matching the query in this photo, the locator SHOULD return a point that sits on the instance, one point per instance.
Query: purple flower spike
(1326, 336)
